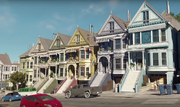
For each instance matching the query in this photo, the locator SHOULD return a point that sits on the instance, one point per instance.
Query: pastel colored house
(81, 54)
(26, 66)
(152, 49)
(112, 53)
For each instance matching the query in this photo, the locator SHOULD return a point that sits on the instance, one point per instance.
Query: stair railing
(59, 86)
(44, 81)
(105, 76)
(123, 78)
(92, 79)
(139, 80)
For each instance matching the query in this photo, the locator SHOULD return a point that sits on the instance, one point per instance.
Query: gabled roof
(46, 43)
(5, 59)
(65, 39)
(145, 3)
(85, 35)
(121, 22)
(174, 22)
(27, 53)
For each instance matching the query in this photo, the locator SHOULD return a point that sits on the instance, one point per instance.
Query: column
(129, 60)
(56, 71)
(98, 67)
(151, 36)
(159, 35)
(49, 72)
(133, 38)
(108, 63)
(67, 71)
(45, 72)
(143, 59)
(75, 70)
(140, 38)
(122, 62)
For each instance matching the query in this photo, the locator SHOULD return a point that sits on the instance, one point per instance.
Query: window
(23, 65)
(124, 63)
(137, 38)
(67, 56)
(62, 56)
(32, 98)
(61, 72)
(87, 54)
(38, 73)
(12, 68)
(6, 68)
(31, 65)
(130, 39)
(82, 54)
(111, 27)
(163, 35)
(35, 60)
(124, 44)
(82, 71)
(15, 69)
(148, 55)
(78, 39)
(155, 36)
(27, 64)
(74, 55)
(39, 48)
(155, 59)
(163, 58)
(118, 43)
(87, 71)
(118, 63)
(30, 78)
(34, 73)
(26, 77)
(145, 17)
(58, 43)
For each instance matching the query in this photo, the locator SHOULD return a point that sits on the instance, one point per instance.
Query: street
(103, 101)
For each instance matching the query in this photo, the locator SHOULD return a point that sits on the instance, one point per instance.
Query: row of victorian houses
(127, 53)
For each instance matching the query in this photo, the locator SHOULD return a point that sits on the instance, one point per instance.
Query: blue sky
(22, 21)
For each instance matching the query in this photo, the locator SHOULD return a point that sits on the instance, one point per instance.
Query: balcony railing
(77, 43)
(42, 62)
(54, 60)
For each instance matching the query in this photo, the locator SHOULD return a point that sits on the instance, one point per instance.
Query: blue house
(112, 55)
(153, 48)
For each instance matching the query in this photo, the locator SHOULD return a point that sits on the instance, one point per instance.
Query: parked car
(83, 89)
(40, 100)
(27, 91)
(11, 97)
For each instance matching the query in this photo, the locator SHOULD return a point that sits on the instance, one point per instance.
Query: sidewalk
(143, 94)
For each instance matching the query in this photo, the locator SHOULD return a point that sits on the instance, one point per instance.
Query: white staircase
(40, 81)
(98, 79)
(130, 81)
(65, 85)
(46, 85)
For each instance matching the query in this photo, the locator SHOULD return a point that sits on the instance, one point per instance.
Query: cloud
(7, 19)
(93, 9)
(47, 24)
(113, 2)
(61, 18)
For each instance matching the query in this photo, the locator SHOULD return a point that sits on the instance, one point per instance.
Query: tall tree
(177, 17)
(17, 77)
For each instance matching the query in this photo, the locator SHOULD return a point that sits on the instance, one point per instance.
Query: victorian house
(41, 58)
(26, 66)
(81, 54)
(152, 49)
(112, 53)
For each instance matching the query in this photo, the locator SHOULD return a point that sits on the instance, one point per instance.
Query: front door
(138, 63)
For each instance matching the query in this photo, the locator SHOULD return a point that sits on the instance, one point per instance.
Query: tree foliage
(17, 77)
(177, 17)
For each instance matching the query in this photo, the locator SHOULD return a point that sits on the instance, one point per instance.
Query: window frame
(120, 65)
(111, 26)
(148, 59)
(78, 39)
(82, 71)
(39, 47)
(145, 17)
(83, 54)
(27, 64)
(87, 54)
(162, 39)
(61, 72)
(62, 57)
(164, 58)
(155, 36)
(137, 38)
(87, 71)
(117, 44)
(58, 43)
(155, 59)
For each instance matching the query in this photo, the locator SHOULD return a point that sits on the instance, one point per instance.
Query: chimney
(168, 7)
(90, 28)
(128, 16)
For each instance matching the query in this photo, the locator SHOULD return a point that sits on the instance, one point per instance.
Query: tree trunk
(17, 86)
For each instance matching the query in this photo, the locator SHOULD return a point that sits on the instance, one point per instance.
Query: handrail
(59, 86)
(40, 86)
(90, 82)
(36, 82)
(123, 79)
(50, 82)
(140, 77)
